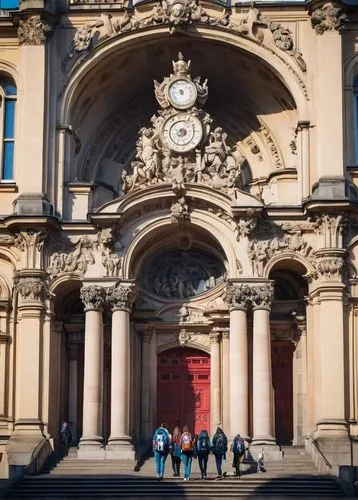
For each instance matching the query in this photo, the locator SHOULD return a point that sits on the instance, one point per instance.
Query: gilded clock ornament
(182, 132)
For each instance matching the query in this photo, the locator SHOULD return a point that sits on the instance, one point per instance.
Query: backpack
(238, 447)
(161, 441)
(186, 443)
(220, 446)
(203, 445)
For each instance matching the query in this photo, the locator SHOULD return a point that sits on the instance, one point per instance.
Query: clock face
(182, 132)
(182, 93)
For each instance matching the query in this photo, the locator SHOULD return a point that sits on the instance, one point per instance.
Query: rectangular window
(9, 4)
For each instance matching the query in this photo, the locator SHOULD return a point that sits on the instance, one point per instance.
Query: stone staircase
(69, 478)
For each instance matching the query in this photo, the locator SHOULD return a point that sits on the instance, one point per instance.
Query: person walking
(187, 449)
(219, 446)
(161, 444)
(66, 435)
(203, 447)
(238, 450)
(176, 451)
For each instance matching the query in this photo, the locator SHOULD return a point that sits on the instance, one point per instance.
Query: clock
(182, 93)
(182, 132)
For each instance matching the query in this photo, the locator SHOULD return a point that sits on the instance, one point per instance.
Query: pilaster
(215, 382)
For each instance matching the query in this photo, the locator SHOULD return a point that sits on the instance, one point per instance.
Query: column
(303, 133)
(215, 392)
(237, 297)
(263, 426)
(300, 374)
(225, 342)
(146, 418)
(72, 350)
(119, 444)
(91, 442)
(331, 423)
(31, 288)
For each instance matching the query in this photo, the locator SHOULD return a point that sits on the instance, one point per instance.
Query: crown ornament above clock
(181, 146)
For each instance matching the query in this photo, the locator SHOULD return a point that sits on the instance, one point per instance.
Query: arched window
(355, 101)
(7, 127)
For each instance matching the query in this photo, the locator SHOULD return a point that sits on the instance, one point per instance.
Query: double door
(183, 392)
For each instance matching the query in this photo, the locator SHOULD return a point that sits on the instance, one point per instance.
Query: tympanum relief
(182, 145)
(182, 274)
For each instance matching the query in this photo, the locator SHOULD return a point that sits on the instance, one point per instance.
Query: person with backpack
(161, 445)
(219, 450)
(187, 450)
(176, 451)
(238, 450)
(203, 447)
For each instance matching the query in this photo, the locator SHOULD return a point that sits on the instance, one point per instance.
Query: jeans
(236, 463)
(160, 459)
(187, 459)
(176, 461)
(219, 461)
(203, 463)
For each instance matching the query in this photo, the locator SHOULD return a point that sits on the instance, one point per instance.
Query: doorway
(184, 389)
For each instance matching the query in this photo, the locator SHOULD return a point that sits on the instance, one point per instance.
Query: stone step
(79, 487)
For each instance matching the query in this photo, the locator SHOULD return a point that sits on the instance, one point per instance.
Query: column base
(91, 448)
(331, 428)
(120, 448)
(267, 444)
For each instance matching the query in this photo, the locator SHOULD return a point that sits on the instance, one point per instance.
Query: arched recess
(220, 239)
(288, 347)
(267, 86)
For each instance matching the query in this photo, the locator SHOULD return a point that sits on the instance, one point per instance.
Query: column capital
(262, 296)
(238, 296)
(31, 285)
(121, 297)
(214, 337)
(93, 297)
(34, 28)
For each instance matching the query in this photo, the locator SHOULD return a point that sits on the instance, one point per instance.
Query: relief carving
(34, 30)
(76, 261)
(180, 211)
(277, 161)
(329, 17)
(331, 227)
(183, 337)
(330, 267)
(245, 227)
(111, 261)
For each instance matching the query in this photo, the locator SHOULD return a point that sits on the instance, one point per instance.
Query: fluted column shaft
(262, 371)
(119, 443)
(215, 392)
(90, 443)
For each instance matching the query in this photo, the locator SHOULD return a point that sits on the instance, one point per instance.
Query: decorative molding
(34, 30)
(93, 297)
(331, 227)
(121, 297)
(183, 337)
(328, 17)
(179, 211)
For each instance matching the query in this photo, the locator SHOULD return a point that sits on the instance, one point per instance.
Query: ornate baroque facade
(178, 177)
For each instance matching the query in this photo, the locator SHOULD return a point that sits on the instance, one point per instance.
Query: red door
(184, 389)
(282, 357)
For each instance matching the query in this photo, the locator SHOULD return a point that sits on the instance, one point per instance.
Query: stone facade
(185, 175)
